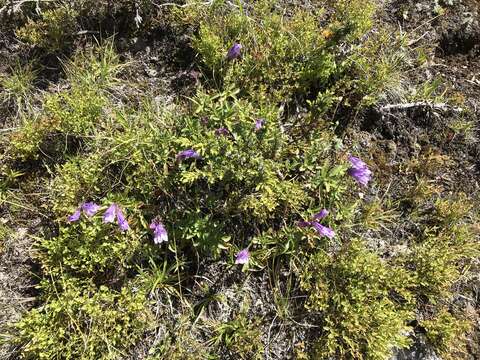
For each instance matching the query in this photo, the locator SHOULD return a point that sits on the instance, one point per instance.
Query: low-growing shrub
(53, 31)
(447, 334)
(363, 303)
(91, 248)
(313, 54)
(81, 321)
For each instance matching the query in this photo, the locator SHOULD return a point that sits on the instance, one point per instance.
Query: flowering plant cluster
(358, 170)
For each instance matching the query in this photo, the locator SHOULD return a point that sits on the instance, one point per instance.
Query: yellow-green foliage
(77, 179)
(363, 303)
(69, 114)
(181, 343)
(293, 55)
(241, 337)
(250, 187)
(52, 31)
(83, 322)
(447, 334)
(90, 248)
(449, 243)
(17, 87)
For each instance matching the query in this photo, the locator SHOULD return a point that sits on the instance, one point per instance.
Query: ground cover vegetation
(246, 216)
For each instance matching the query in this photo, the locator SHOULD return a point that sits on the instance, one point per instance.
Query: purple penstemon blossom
(259, 123)
(359, 170)
(322, 230)
(110, 214)
(88, 208)
(122, 222)
(113, 212)
(159, 232)
(234, 52)
(320, 215)
(188, 154)
(75, 216)
(242, 257)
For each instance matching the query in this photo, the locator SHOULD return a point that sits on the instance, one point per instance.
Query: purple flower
(321, 214)
(222, 131)
(187, 154)
(159, 233)
(90, 208)
(259, 124)
(234, 51)
(321, 229)
(242, 257)
(75, 216)
(356, 162)
(109, 215)
(303, 224)
(113, 212)
(359, 171)
(122, 222)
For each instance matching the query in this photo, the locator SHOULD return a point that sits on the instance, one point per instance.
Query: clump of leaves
(68, 116)
(364, 303)
(18, 88)
(447, 334)
(240, 336)
(53, 31)
(81, 321)
(89, 248)
(298, 55)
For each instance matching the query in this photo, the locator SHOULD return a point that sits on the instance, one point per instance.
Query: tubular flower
(359, 171)
(109, 215)
(321, 229)
(90, 208)
(321, 214)
(122, 222)
(75, 216)
(242, 257)
(113, 212)
(187, 154)
(234, 52)
(159, 233)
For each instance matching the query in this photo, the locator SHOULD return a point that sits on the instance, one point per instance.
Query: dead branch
(420, 104)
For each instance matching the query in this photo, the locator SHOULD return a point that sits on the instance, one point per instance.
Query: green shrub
(241, 337)
(83, 322)
(439, 258)
(364, 303)
(446, 334)
(54, 31)
(91, 248)
(296, 55)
